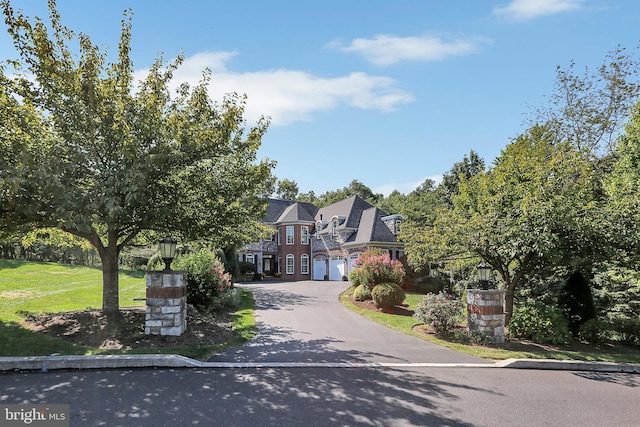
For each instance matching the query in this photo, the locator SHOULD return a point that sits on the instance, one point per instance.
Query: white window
(304, 231)
(290, 264)
(397, 226)
(290, 230)
(334, 229)
(304, 264)
(251, 259)
(279, 236)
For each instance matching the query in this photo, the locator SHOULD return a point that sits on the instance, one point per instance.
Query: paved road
(305, 322)
(333, 397)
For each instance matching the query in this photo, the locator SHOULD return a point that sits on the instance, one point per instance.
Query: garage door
(336, 268)
(352, 262)
(319, 268)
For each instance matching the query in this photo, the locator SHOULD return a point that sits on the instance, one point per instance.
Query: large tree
(532, 212)
(622, 187)
(468, 167)
(88, 151)
(589, 110)
(287, 189)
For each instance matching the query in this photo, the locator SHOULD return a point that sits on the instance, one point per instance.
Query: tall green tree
(287, 189)
(622, 187)
(355, 188)
(589, 110)
(468, 167)
(91, 153)
(532, 212)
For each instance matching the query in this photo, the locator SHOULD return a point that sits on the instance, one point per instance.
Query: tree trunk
(110, 282)
(509, 291)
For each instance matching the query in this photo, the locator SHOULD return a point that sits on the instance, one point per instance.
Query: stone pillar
(166, 303)
(485, 310)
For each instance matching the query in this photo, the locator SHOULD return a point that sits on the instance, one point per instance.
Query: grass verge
(37, 287)
(405, 325)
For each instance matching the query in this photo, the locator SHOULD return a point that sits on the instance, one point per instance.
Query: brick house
(311, 243)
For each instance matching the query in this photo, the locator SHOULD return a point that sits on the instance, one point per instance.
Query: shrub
(247, 267)
(374, 267)
(385, 295)
(428, 284)
(627, 330)
(355, 278)
(441, 311)
(401, 295)
(595, 331)
(231, 298)
(361, 293)
(576, 302)
(539, 323)
(206, 278)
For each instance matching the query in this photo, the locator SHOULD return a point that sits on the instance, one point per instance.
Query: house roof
(355, 214)
(350, 209)
(297, 212)
(281, 210)
(372, 228)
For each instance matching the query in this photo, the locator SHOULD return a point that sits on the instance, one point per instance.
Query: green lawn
(37, 287)
(405, 324)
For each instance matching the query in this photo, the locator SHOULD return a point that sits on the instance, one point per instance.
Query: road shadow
(276, 299)
(241, 397)
(619, 378)
(275, 344)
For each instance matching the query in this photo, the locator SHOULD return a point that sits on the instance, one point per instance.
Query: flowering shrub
(206, 278)
(441, 311)
(374, 267)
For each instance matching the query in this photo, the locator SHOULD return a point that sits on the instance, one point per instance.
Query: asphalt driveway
(305, 322)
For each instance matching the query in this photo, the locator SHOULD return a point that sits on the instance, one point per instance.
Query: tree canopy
(90, 151)
(529, 213)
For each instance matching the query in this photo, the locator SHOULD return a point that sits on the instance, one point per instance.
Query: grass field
(39, 287)
(34, 287)
(30, 288)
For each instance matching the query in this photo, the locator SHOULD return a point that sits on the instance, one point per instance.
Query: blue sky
(386, 92)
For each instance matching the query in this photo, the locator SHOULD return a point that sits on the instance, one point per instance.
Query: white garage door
(336, 268)
(319, 269)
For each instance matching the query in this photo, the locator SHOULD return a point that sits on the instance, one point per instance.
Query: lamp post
(168, 251)
(484, 274)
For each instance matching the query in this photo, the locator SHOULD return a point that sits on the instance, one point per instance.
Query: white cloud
(404, 187)
(290, 95)
(384, 49)
(522, 10)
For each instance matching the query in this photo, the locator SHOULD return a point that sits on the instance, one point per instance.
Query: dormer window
(393, 223)
(334, 226)
(397, 225)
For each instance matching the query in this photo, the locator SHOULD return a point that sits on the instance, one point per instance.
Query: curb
(57, 362)
(569, 365)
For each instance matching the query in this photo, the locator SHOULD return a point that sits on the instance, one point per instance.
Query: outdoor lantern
(484, 274)
(168, 251)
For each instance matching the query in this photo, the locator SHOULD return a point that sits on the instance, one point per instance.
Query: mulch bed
(90, 328)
